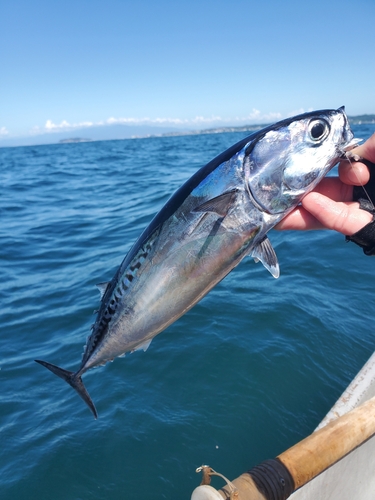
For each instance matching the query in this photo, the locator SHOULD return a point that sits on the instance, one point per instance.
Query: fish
(216, 218)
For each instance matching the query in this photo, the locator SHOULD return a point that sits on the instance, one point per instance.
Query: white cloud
(161, 121)
(64, 125)
(254, 116)
(299, 111)
(3, 132)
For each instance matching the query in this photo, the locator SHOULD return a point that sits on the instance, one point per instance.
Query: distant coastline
(354, 120)
(124, 132)
(74, 139)
(361, 119)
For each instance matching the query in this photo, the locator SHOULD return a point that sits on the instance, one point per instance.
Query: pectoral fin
(219, 205)
(265, 253)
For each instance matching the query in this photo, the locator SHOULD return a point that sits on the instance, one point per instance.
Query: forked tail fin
(74, 381)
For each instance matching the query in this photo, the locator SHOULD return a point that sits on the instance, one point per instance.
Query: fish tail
(74, 380)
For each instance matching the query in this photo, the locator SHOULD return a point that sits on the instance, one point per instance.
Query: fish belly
(169, 285)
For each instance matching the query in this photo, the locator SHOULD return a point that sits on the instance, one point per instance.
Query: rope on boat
(277, 479)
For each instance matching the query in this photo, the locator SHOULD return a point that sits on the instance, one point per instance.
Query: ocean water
(248, 372)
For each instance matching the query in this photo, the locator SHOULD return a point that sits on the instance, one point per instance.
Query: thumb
(366, 150)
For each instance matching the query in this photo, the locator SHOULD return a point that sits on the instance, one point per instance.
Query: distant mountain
(98, 133)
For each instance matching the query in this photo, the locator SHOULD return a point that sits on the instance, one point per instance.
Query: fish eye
(318, 130)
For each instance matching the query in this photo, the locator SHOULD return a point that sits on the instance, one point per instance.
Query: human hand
(331, 205)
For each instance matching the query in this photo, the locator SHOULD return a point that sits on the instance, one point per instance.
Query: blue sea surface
(248, 372)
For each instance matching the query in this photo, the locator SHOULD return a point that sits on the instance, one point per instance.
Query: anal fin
(143, 346)
(264, 252)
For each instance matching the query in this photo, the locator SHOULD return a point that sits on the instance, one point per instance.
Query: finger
(334, 188)
(367, 149)
(345, 218)
(299, 220)
(356, 173)
(302, 219)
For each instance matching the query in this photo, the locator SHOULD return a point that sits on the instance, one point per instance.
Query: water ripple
(245, 374)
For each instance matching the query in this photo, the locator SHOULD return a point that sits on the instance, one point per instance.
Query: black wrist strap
(365, 237)
(369, 189)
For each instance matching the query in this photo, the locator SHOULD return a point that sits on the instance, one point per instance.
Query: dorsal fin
(103, 288)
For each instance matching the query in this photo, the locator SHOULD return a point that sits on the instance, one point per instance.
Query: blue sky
(192, 64)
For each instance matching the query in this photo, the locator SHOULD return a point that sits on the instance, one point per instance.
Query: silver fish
(220, 215)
